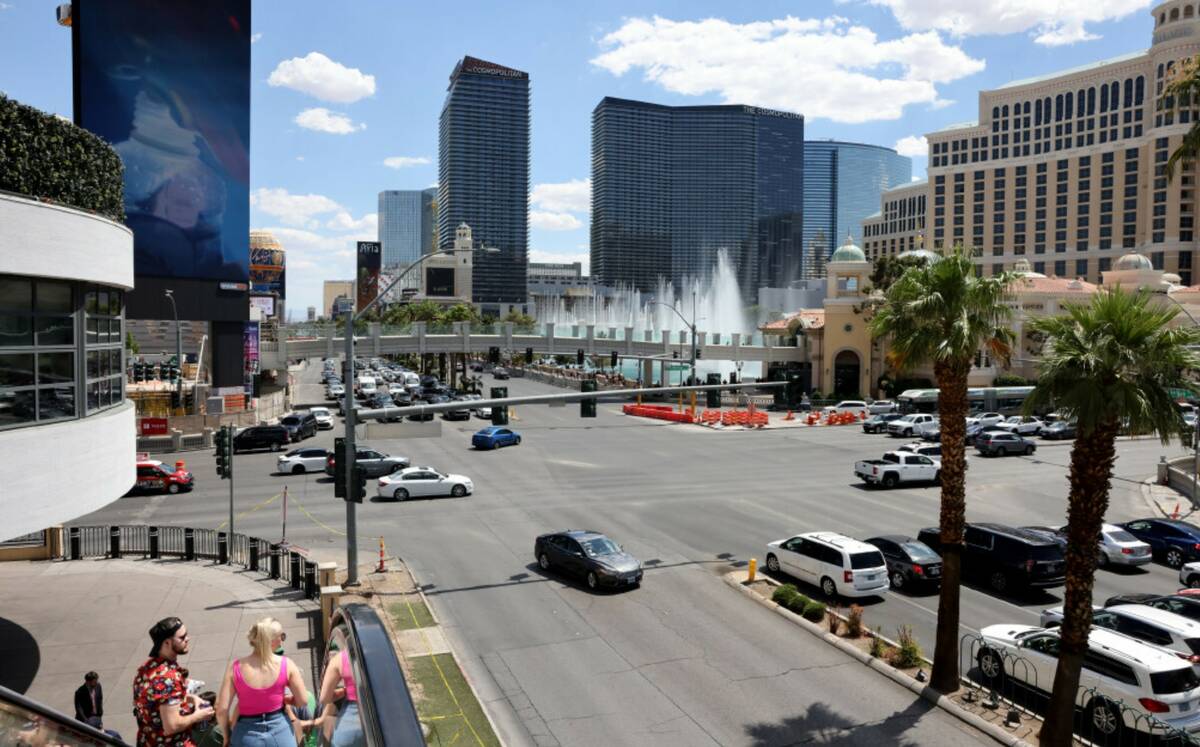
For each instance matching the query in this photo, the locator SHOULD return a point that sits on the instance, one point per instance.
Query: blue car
(494, 437)
(1172, 541)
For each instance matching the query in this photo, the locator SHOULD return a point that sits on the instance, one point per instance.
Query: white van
(365, 386)
(836, 563)
(411, 380)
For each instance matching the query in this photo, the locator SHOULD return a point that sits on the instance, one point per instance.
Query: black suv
(1006, 558)
(273, 437)
(300, 425)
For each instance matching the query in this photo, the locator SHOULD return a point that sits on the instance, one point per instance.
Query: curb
(926, 692)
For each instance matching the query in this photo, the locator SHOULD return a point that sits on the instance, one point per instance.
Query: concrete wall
(53, 473)
(54, 241)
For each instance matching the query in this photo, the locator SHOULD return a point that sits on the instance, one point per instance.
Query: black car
(1180, 604)
(1003, 443)
(300, 425)
(374, 463)
(1006, 558)
(1049, 533)
(589, 555)
(878, 423)
(910, 562)
(463, 414)
(273, 437)
(499, 373)
(1171, 541)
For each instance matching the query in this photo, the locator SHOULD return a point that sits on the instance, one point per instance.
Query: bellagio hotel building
(1066, 171)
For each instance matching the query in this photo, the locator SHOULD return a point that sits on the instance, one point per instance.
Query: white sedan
(1021, 425)
(423, 482)
(985, 419)
(335, 391)
(299, 461)
(324, 417)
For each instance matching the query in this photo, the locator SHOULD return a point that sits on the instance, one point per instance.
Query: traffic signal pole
(348, 459)
(229, 555)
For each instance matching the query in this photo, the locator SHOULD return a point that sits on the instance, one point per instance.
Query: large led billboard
(167, 83)
(370, 254)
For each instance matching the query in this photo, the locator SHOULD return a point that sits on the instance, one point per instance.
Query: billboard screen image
(439, 281)
(267, 264)
(168, 85)
(370, 255)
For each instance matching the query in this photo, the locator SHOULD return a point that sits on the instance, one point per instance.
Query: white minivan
(365, 386)
(840, 565)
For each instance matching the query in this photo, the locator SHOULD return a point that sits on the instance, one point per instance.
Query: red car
(155, 477)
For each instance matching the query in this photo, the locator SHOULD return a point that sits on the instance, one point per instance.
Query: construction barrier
(658, 412)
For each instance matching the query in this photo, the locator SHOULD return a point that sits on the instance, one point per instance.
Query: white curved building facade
(67, 433)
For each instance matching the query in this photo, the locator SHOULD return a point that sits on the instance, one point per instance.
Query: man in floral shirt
(165, 712)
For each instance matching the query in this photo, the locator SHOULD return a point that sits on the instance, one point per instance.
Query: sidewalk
(63, 618)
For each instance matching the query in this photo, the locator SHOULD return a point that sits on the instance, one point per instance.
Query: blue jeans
(275, 731)
(348, 731)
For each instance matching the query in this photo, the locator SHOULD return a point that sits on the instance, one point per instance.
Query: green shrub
(854, 626)
(909, 654)
(1007, 379)
(814, 611)
(51, 159)
(798, 603)
(783, 595)
(878, 647)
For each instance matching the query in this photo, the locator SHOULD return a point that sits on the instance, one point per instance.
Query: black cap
(163, 630)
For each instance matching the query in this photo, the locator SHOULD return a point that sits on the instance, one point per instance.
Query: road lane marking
(261, 505)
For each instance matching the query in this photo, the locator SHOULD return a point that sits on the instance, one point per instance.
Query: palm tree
(942, 313)
(1181, 91)
(1106, 363)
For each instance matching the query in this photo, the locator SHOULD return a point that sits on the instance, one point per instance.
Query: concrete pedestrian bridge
(291, 342)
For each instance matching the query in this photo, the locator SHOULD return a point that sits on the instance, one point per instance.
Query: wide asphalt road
(684, 659)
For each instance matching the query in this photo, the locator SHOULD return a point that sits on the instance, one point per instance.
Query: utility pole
(178, 350)
(694, 379)
(229, 555)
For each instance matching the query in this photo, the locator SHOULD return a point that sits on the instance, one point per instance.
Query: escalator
(362, 697)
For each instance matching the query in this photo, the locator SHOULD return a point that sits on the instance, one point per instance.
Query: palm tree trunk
(1092, 459)
(952, 408)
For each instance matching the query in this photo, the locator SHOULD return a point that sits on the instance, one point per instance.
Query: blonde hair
(262, 636)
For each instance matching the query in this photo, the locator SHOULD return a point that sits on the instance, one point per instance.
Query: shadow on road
(820, 724)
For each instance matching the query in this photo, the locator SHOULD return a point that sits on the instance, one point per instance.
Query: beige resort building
(840, 357)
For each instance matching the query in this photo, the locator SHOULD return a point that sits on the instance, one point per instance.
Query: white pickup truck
(914, 424)
(896, 467)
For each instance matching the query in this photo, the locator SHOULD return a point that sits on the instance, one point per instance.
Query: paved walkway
(60, 619)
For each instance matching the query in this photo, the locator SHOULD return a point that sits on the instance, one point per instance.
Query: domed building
(267, 264)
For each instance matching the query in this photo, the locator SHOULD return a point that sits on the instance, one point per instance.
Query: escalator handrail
(94, 736)
(392, 722)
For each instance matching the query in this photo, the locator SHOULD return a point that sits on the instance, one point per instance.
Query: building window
(38, 365)
(104, 343)
(1081, 268)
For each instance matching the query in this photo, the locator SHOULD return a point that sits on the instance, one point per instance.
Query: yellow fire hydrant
(752, 570)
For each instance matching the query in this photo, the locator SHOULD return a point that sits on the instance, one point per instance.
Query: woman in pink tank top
(259, 681)
(347, 728)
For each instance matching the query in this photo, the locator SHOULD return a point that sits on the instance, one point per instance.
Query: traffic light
(712, 397)
(360, 483)
(579, 357)
(339, 468)
(493, 355)
(499, 414)
(795, 389)
(224, 442)
(614, 359)
(528, 356)
(587, 407)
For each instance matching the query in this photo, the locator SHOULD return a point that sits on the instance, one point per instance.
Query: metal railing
(1008, 683)
(275, 560)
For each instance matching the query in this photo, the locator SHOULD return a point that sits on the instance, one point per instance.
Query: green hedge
(51, 159)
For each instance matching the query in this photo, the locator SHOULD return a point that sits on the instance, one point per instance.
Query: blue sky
(345, 96)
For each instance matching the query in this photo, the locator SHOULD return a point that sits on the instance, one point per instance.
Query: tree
(1180, 92)
(131, 344)
(1104, 363)
(461, 313)
(942, 313)
(888, 269)
(519, 319)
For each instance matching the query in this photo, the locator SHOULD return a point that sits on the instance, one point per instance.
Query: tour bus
(1003, 399)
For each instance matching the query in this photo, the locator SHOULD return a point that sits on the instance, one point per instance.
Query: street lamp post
(178, 347)
(690, 326)
(350, 450)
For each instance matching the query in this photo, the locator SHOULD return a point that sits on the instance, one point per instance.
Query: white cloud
(322, 78)
(941, 104)
(254, 38)
(1050, 22)
(828, 68)
(432, 185)
(299, 158)
(293, 210)
(401, 162)
(343, 221)
(574, 196)
(913, 146)
(323, 120)
(5, 6)
(548, 221)
(537, 255)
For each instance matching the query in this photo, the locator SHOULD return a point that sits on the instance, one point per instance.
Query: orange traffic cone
(382, 563)
(1175, 513)
(789, 416)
